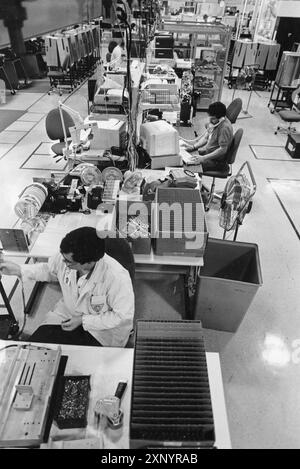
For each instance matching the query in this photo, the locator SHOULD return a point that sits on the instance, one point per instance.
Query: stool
(292, 145)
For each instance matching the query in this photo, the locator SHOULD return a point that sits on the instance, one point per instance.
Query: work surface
(107, 367)
(47, 243)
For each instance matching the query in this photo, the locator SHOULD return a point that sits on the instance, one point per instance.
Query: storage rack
(201, 38)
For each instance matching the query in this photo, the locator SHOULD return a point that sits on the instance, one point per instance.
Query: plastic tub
(228, 282)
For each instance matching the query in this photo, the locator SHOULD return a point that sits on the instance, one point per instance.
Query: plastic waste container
(228, 282)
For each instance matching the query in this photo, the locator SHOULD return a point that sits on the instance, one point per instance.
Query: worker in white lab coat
(97, 307)
(118, 56)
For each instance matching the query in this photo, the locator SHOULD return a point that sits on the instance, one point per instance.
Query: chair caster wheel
(272, 111)
(276, 132)
(206, 209)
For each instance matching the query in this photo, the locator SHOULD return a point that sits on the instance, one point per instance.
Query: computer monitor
(159, 138)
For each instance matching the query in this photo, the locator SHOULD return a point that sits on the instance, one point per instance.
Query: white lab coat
(105, 299)
(117, 57)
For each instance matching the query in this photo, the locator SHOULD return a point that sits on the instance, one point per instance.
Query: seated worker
(118, 55)
(213, 145)
(110, 48)
(97, 306)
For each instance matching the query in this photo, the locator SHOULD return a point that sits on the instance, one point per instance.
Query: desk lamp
(62, 106)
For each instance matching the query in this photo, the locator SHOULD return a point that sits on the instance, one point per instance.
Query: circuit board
(27, 377)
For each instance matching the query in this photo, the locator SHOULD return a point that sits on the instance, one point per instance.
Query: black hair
(217, 110)
(111, 46)
(84, 245)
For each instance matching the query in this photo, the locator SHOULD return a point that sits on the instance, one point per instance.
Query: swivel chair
(290, 115)
(227, 171)
(120, 250)
(234, 109)
(55, 131)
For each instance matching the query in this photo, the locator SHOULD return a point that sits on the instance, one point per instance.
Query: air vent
(170, 401)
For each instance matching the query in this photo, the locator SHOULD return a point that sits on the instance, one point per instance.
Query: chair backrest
(54, 126)
(231, 154)
(234, 109)
(120, 250)
(296, 98)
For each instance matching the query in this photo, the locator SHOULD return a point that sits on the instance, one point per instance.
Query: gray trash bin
(228, 282)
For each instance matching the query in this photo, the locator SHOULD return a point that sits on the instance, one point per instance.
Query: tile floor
(259, 362)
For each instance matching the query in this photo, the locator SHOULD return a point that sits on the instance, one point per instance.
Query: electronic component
(14, 240)
(111, 190)
(73, 402)
(121, 389)
(27, 376)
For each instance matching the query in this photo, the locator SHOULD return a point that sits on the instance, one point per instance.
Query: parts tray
(73, 401)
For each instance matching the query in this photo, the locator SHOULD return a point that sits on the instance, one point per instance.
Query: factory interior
(101, 108)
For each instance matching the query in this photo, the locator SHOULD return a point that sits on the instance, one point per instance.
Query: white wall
(289, 8)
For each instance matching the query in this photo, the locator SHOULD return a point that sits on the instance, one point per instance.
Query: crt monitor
(159, 138)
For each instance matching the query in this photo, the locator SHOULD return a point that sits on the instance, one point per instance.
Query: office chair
(290, 115)
(225, 173)
(55, 131)
(234, 109)
(120, 250)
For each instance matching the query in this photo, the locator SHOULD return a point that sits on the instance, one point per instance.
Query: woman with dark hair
(97, 307)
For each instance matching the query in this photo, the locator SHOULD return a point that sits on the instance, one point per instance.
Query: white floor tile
(22, 101)
(270, 152)
(21, 126)
(44, 162)
(45, 148)
(288, 193)
(11, 137)
(4, 148)
(31, 117)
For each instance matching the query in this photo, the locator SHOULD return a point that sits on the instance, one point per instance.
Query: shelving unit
(207, 45)
(280, 97)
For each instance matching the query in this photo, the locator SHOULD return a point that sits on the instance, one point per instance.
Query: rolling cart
(281, 97)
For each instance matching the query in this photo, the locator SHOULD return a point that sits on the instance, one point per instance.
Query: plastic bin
(228, 282)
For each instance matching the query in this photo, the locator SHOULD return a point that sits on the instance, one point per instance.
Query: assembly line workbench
(107, 366)
(47, 244)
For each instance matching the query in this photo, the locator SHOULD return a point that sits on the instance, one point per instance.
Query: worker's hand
(9, 268)
(72, 323)
(190, 149)
(197, 159)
